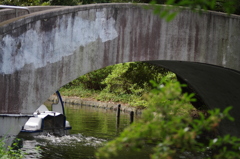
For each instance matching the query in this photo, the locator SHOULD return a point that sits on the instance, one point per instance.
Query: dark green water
(91, 128)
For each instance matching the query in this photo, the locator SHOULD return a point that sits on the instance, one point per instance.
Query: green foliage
(64, 2)
(39, 2)
(129, 81)
(173, 7)
(125, 83)
(131, 99)
(132, 77)
(93, 80)
(121, 78)
(95, 1)
(228, 6)
(167, 126)
(79, 91)
(20, 2)
(11, 152)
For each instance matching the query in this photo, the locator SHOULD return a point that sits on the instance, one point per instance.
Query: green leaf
(170, 2)
(171, 16)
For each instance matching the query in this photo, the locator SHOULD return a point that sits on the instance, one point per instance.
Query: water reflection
(97, 122)
(91, 127)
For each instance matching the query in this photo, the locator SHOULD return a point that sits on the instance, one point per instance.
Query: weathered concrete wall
(12, 124)
(41, 52)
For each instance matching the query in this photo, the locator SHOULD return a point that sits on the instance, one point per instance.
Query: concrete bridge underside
(43, 51)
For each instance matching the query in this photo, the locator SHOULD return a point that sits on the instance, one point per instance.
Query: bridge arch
(43, 51)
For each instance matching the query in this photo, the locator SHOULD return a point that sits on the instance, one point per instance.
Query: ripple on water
(71, 139)
(30, 147)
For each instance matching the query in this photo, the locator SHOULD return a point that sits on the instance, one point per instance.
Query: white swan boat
(46, 122)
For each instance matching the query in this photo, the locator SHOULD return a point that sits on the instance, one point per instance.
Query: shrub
(167, 125)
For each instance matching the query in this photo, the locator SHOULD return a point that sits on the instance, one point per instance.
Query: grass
(132, 100)
(79, 91)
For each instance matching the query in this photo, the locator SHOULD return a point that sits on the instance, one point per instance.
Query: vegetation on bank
(125, 83)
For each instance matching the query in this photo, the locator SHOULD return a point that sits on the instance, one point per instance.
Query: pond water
(91, 128)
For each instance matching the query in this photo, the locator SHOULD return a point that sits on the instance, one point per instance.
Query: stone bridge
(44, 50)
